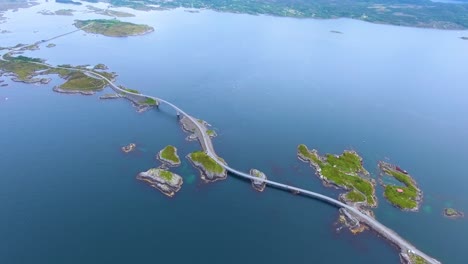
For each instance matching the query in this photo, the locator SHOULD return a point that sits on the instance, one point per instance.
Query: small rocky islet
(165, 181)
(129, 148)
(258, 185)
(453, 213)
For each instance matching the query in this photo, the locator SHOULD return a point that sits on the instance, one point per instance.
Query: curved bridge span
(207, 145)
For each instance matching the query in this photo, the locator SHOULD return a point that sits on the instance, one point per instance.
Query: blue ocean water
(266, 84)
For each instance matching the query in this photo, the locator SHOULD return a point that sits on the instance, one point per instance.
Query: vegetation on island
(167, 182)
(150, 101)
(26, 69)
(112, 27)
(258, 184)
(345, 171)
(129, 90)
(211, 133)
(355, 196)
(78, 81)
(166, 175)
(61, 12)
(108, 12)
(452, 213)
(415, 13)
(21, 66)
(206, 161)
(405, 197)
(415, 259)
(100, 66)
(169, 153)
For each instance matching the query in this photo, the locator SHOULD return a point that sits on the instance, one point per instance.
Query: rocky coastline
(165, 181)
(386, 169)
(110, 96)
(205, 174)
(452, 213)
(67, 91)
(329, 183)
(258, 184)
(168, 162)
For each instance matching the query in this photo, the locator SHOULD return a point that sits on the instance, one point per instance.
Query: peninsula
(26, 69)
(343, 171)
(168, 155)
(167, 182)
(407, 197)
(112, 27)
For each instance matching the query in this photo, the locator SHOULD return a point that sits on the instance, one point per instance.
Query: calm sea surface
(266, 84)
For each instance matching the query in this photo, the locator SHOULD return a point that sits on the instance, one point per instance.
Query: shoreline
(204, 174)
(331, 184)
(419, 193)
(167, 162)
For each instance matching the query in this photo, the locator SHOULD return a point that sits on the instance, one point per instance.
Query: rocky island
(452, 213)
(79, 82)
(108, 12)
(407, 197)
(129, 148)
(168, 155)
(343, 171)
(211, 133)
(210, 171)
(27, 69)
(112, 27)
(167, 182)
(257, 184)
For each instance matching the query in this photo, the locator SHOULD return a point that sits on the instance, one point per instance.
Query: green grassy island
(26, 69)
(167, 182)
(343, 171)
(112, 27)
(209, 169)
(211, 133)
(21, 67)
(169, 155)
(407, 197)
(109, 12)
(78, 82)
(150, 101)
(129, 90)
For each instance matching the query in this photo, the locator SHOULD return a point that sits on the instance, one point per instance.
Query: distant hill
(441, 14)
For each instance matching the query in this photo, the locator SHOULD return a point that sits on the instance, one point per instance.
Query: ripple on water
(427, 209)
(190, 178)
